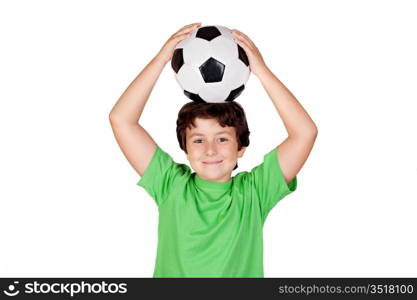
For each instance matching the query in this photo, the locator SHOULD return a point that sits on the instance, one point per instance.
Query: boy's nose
(211, 149)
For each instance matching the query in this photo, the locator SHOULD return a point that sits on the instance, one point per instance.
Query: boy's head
(214, 136)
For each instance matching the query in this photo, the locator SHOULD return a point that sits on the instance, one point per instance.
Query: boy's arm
(136, 144)
(302, 132)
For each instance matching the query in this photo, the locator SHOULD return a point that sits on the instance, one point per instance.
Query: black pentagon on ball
(194, 97)
(208, 33)
(177, 60)
(235, 93)
(212, 70)
(242, 55)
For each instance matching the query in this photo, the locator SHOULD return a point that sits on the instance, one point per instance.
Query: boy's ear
(241, 152)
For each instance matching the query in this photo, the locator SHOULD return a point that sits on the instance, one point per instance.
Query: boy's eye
(199, 141)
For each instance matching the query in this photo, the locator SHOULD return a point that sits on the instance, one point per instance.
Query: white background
(69, 203)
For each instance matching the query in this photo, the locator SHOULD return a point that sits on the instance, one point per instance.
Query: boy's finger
(180, 37)
(238, 34)
(241, 34)
(191, 25)
(188, 28)
(242, 44)
(239, 38)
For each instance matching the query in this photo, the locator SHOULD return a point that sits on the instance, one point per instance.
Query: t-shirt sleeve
(269, 183)
(161, 174)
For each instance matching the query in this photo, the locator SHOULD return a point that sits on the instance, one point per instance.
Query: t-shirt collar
(212, 184)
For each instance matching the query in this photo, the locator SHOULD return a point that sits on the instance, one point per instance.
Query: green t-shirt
(212, 229)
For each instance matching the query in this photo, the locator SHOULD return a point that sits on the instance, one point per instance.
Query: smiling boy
(212, 149)
(210, 224)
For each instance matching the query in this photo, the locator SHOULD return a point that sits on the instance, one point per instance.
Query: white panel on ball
(189, 78)
(226, 32)
(224, 50)
(235, 74)
(196, 52)
(214, 92)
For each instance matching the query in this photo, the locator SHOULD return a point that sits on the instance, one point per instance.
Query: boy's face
(212, 150)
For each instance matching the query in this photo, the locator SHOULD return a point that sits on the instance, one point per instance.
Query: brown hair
(227, 114)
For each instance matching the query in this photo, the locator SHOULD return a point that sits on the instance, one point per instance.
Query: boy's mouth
(212, 162)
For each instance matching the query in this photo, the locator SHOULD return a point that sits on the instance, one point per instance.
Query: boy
(210, 224)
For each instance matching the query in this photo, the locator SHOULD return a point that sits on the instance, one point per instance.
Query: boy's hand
(256, 62)
(167, 50)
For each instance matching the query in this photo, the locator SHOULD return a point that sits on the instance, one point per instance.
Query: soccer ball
(210, 66)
